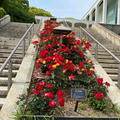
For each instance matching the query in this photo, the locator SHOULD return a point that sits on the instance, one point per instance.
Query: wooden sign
(78, 94)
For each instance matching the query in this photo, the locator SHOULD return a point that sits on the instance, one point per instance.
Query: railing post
(80, 33)
(96, 51)
(119, 76)
(23, 48)
(9, 74)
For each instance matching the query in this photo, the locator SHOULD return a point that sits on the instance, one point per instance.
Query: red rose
(42, 83)
(49, 86)
(60, 93)
(90, 73)
(38, 66)
(100, 81)
(48, 73)
(50, 95)
(106, 83)
(98, 95)
(81, 64)
(61, 101)
(35, 42)
(39, 87)
(36, 92)
(52, 103)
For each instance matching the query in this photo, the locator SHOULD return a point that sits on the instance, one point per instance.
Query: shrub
(2, 12)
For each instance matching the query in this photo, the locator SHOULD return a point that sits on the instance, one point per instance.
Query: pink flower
(71, 77)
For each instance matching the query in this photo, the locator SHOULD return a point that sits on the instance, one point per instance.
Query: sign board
(78, 94)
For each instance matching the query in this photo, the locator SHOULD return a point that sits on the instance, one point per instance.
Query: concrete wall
(113, 28)
(4, 20)
(106, 33)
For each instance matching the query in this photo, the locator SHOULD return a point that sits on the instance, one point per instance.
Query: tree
(2, 12)
(40, 12)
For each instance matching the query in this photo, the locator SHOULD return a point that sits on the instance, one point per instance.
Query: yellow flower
(66, 61)
(64, 71)
(54, 66)
(83, 38)
(57, 64)
(91, 69)
(44, 62)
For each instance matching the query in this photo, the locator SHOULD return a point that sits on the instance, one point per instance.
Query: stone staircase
(109, 64)
(10, 34)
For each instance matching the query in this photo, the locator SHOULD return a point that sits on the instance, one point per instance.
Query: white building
(104, 11)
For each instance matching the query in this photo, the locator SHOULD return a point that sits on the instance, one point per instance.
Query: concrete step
(5, 74)
(14, 61)
(109, 65)
(113, 77)
(4, 81)
(3, 91)
(111, 71)
(14, 66)
(14, 56)
(107, 61)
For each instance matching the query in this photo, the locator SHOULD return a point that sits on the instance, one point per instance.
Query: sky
(64, 8)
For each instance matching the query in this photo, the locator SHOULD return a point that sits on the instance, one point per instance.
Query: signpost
(78, 94)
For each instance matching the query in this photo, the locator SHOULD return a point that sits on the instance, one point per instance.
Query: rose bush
(64, 65)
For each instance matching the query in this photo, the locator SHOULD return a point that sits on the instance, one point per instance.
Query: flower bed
(59, 67)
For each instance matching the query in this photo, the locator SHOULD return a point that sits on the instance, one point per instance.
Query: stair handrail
(8, 60)
(96, 51)
(114, 56)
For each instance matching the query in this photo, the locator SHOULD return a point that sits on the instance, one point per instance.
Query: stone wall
(106, 33)
(4, 20)
(113, 28)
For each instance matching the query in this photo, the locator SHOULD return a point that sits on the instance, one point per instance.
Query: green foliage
(38, 11)
(70, 18)
(115, 109)
(2, 12)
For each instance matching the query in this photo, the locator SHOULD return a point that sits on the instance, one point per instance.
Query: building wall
(112, 12)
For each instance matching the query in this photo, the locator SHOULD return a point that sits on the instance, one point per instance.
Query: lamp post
(61, 30)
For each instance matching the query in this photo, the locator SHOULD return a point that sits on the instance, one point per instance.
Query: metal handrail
(96, 52)
(101, 45)
(11, 54)
(8, 60)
